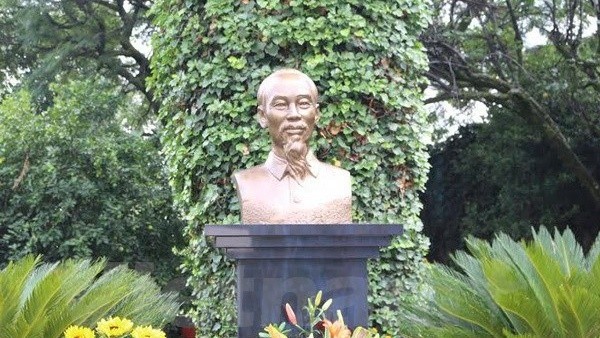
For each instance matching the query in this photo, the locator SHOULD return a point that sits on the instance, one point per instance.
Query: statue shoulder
(337, 178)
(250, 175)
(336, 171)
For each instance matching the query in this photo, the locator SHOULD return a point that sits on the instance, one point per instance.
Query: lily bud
(290, 314)
(340, 317)
(327, 304)
(318, 298)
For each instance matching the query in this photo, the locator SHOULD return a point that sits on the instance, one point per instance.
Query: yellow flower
(147, 332)
(274, 332)
(114, 326)
(74, 331)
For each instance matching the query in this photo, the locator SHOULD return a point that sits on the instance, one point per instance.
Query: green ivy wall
(209, 58)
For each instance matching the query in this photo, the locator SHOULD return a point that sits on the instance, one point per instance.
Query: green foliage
(43, 39)
(500, 176)
(544, 288)
(42, 300)
(482, 50)
(73, 183)
(520, 168)
(366, 60)
(503, 175)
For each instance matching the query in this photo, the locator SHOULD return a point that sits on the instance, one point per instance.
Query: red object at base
(188, 332)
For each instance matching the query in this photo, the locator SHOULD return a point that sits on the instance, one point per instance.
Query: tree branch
(518, 37)
(489, 97)
(106, 4)
(131, 51)
(596, 7)
(138, 82)
(462, 78)
(23, 172)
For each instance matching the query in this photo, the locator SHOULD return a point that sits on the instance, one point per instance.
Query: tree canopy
(41, 39)
(535, 162)
(477, 51)
(503, 176)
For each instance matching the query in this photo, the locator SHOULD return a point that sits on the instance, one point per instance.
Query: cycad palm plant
(41, 300)
(544, 288)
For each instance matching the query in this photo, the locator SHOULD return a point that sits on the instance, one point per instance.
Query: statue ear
(262, 118)
(318, 114)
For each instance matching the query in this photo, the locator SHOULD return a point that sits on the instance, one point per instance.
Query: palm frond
(77, 277)
(103, 296)
(517, 265)
(37, 297)
(146, 304)
(473, 270)
(509, 334)
(449, 332)
(12, 281)
(546, 288)
(580, 311)
(48, 298)
(563, 247)
(591, 280)
(40, 272)
(464, 303)
(426, 321)
(592, 255)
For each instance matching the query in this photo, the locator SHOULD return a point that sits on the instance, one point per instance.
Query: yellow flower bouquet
(114, 327)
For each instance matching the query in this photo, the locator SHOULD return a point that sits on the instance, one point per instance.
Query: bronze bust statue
(292, 186)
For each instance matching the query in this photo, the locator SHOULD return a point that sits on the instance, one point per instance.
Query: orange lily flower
(336, 329)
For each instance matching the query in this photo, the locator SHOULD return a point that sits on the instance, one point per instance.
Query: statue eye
(304, 104)
(279, 105)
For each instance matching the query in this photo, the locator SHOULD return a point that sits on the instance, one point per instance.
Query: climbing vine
(210, 56)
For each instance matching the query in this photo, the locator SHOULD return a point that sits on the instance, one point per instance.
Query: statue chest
(285, 201)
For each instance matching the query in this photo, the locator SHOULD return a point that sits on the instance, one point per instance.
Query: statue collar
(277, 166)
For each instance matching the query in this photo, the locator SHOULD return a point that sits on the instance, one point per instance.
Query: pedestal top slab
(304, 241)
(352, 229)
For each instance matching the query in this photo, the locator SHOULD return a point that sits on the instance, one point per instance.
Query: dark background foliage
(536, 161)
(502, 176)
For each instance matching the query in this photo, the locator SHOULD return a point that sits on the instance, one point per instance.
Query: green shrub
(545, 288)
(75, 184)
(365, 57)
(42, 300)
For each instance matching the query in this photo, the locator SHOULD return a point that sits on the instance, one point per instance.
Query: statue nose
(293, 113)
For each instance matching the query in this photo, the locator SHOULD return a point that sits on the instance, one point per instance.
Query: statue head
(288, 108)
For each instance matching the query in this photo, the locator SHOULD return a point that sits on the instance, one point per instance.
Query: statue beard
(295, 150)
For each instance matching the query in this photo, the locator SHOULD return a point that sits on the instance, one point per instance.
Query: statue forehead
(278, 81)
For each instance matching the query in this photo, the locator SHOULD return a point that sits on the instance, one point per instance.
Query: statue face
(289, 111)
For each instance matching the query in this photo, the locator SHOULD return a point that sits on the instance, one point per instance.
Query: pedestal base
(278, 264)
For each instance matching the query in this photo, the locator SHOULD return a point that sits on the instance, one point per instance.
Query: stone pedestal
(278, 264)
